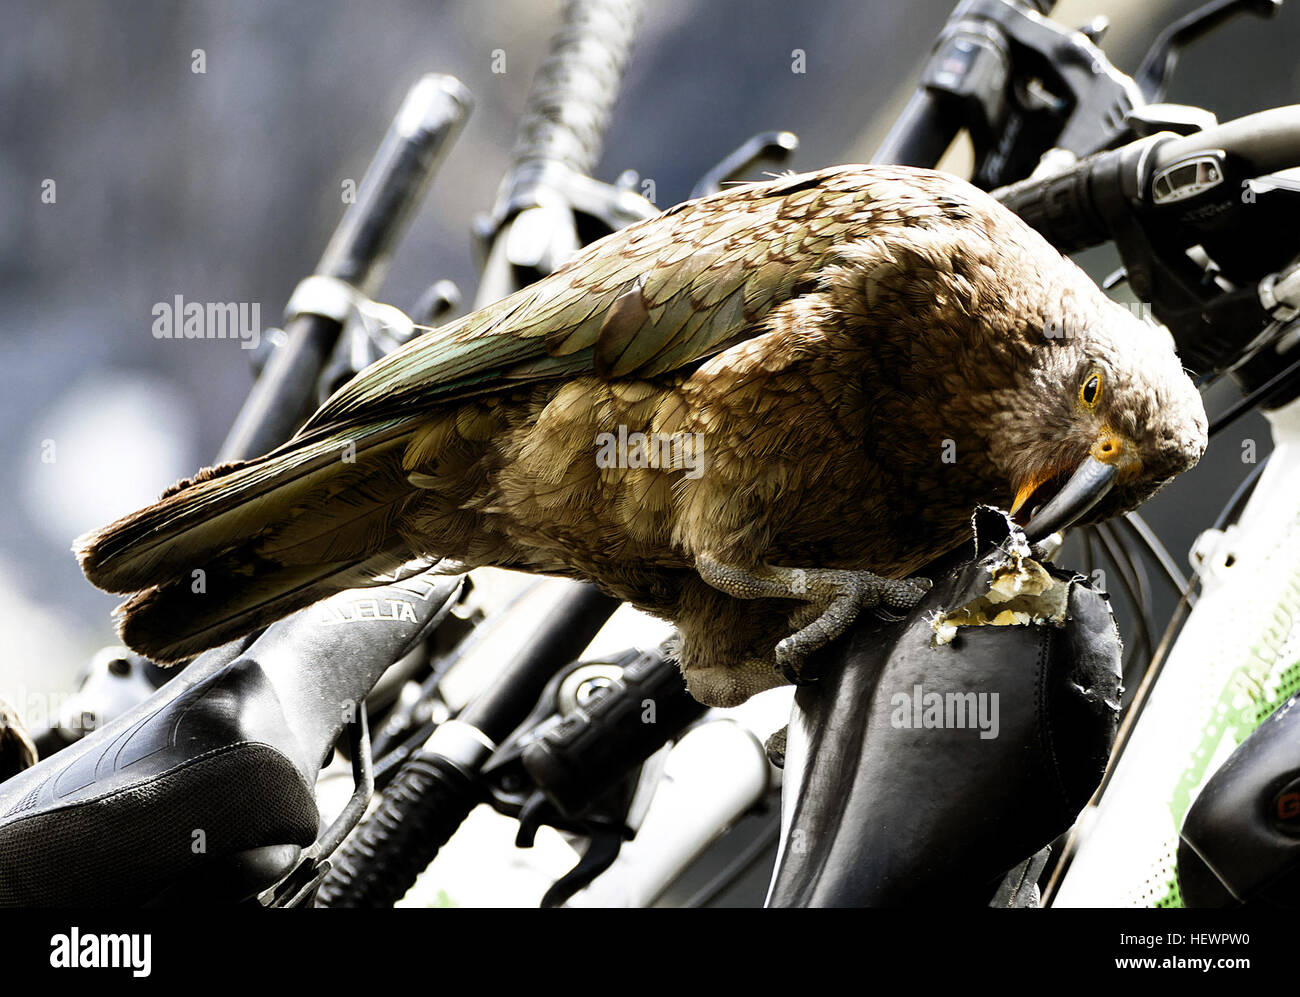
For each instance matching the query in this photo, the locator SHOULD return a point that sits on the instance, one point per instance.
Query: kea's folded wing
(654, 297)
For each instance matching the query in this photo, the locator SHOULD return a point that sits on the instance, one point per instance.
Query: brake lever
(773, 147)
(1152, 76)
(542, 213)
(371, 330)
(985, 64)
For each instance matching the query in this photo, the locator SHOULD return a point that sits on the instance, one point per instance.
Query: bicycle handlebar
(1079, 208)
(1268, 140)
(931, 121)
(1065, 208)
(575, 88)
(357, 255)
(429, 119)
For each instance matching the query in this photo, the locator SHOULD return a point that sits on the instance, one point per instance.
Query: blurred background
(223, 185)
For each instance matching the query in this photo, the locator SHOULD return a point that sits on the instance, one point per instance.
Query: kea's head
(1111, 417)
(1099, 413)
(983, 334)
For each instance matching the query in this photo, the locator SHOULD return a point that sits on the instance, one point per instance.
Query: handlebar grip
(429, 119)
(1071, 208)
(420, 810)
(1060, 207)
(575, 88)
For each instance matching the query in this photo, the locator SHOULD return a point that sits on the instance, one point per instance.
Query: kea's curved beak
(1089, 484)
(1112, 458)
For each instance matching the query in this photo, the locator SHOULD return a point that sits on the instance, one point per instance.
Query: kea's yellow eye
(1090, 390)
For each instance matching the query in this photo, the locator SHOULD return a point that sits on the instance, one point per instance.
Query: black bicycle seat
(917, 773)
(1240, 843)
(205, 791)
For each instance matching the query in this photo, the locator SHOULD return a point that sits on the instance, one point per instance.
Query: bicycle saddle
(921, 773)
(1240, 843)
(205, 791)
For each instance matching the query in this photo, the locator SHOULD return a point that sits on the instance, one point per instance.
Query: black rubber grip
(575, 88)
(421, 809)
(1061, 208)
(1069, 209)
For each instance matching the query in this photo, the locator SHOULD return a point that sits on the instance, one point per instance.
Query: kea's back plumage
(788, 327)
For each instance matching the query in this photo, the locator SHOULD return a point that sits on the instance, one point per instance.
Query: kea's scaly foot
(775, 746)
(841, 595)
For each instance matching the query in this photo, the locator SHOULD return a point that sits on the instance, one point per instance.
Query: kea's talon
(775, 747)
(793, 663)
(841, 593)
(906, 593)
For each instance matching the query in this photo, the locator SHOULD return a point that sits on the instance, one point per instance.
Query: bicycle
(436, 768)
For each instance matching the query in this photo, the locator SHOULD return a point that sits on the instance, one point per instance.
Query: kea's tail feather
(241, 545)
(176, 620)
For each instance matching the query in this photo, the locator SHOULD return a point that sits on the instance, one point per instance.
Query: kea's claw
(861, 590)
(775, 746)
(841, 593)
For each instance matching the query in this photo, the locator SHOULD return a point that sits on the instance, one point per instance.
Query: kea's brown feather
(862, 353)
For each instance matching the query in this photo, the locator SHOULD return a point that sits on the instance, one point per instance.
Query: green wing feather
(654, 297)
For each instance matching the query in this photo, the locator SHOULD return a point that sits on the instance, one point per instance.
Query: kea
(753, 415)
